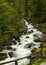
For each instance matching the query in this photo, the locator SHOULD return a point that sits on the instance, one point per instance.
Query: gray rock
(40, 39)
(31, 31)
(11, 54)
(27, 36)
(28, 45)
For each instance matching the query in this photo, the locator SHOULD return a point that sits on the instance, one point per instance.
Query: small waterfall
(17, 42)
(26, 22)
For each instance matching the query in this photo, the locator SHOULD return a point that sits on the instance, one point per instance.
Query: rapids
(21, 50)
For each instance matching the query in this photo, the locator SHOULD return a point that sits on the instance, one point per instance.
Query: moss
(44, 49)
(35, 50)
(3, 56)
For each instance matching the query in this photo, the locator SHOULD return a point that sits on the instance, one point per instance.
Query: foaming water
(21, 50)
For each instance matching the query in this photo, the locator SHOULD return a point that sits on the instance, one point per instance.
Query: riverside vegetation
(11, 23)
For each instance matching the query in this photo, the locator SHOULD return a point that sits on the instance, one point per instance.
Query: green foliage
(36, 10)
(38, 61)
(11, 23)
(36, 13)
(44, 49)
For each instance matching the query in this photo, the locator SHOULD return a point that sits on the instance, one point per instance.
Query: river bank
(42, 29)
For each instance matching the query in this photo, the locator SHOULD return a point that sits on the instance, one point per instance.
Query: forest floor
(43, 63)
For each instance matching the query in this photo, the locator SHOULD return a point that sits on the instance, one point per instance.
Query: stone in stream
(11, 54)
(20, 43)
(27, 36)
(31, 31)
(40, 39)
(9, 48)
(14, 41)
(35, 35)
(14, 49)
(43, 39)
(28, 45)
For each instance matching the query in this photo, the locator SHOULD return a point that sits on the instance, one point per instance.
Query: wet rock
(25, 30)
(14, 41)
(35, 35)
(34, 44)
(9, 48)
(27, 36)
(28, 45)
(11, 54)
(3, 56)
(40, 39)
(14, 49)
(1, 48)
(33, 50)
(31, 31)
(19, 43)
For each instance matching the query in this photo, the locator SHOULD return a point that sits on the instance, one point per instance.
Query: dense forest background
(11, 23)
(36, 12)
(12, 13)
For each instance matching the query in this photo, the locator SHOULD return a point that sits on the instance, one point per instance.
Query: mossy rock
(1, 48)
(3, 56)
(44, 52)
(35, 50)
(44, 45)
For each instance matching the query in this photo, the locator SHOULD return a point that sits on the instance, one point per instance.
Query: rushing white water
(22, 49)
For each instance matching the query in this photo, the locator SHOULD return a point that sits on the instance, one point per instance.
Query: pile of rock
(40, 39)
